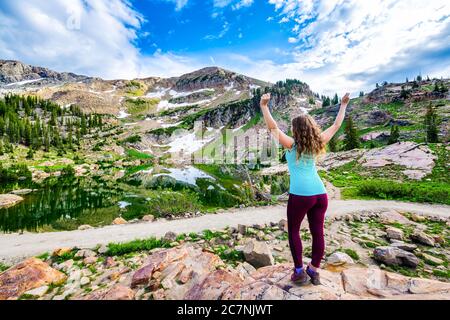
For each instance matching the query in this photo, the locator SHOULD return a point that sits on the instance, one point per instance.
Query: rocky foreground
(370, 255)
(187, 272)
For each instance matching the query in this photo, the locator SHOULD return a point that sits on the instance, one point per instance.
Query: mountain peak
(16, 72)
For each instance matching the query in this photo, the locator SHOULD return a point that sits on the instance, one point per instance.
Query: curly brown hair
(307, 136)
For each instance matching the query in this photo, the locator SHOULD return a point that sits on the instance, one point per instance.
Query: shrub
(14, 173)
(119, 249)
(68, 171)
(418, 192)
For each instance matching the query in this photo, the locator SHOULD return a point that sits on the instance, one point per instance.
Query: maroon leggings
(315, 207)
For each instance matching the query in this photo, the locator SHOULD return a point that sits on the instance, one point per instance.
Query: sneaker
(299, 277)
(314, 275)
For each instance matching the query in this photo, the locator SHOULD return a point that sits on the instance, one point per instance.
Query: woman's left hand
(345, 99)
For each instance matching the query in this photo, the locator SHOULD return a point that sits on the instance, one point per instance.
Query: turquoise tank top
(304, 179)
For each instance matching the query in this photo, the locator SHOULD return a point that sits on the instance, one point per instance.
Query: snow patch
(188, 174)
(123, 114)
(188, 143)
(165, 104)
(157, 94)
(229, 87)
(21, 83)
(176, 94)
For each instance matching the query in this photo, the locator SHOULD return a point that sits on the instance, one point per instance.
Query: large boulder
(258, 254)
(172, 273)
(395, 256)
(27, 275)
(421, 237)
(213, 286)
(116, 292)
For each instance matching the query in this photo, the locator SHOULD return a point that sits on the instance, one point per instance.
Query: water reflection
(63, 204)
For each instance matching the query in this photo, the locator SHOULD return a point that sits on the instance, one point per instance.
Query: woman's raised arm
(281, 137)
(331, 131)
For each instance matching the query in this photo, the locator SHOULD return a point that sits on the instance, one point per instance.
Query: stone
(110, 262)
(260, 235)
(394, 233)
(9, 200)
(85, 227)
(90, 260)
(242, 229)
(213, 286)
(245, 268)
(64, 266)
(27, 275)
(84, 253)
(426, 286)
(62, 251)
(119, 221)
(102, 249)
(339, 258)
(84, 281)
(283, 225)
(417, 218)
(432, 260)
(116, 292)
(421, 237)
(403, 245)
(21, 192)
(395, 256)
(38, 292)
(170, 236)
(258, 254)
(392, 216)
(148, 218)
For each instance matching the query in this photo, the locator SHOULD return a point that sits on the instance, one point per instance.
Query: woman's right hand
(265, 98)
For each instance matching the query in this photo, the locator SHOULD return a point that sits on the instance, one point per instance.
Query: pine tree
(332, 144)
(351, 140)
(30, 153)
(431, 125)
(335, 100)
(395, 135)
(436, 87)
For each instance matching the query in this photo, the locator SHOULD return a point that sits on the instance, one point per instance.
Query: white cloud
(179, 4)
(235, 4)
(91, 37)
(242, 4)
(221, 34)
(351, 43)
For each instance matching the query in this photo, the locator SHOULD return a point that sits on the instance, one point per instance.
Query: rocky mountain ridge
(15, 73)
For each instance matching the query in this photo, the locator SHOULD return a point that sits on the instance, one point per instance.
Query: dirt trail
(14, 247)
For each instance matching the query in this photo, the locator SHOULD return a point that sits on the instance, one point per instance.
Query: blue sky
(334, 45)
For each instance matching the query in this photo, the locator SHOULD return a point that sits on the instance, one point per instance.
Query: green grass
(65, 256)
(445, 274)
(352, 253)
(134, 169)
(140, 106)
(134, 154)
(209, 235)
(3, 267)
(229, 255)
(120, 249)
(43, 256)
(407, 191)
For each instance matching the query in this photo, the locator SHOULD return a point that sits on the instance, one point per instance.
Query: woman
(307, 194)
